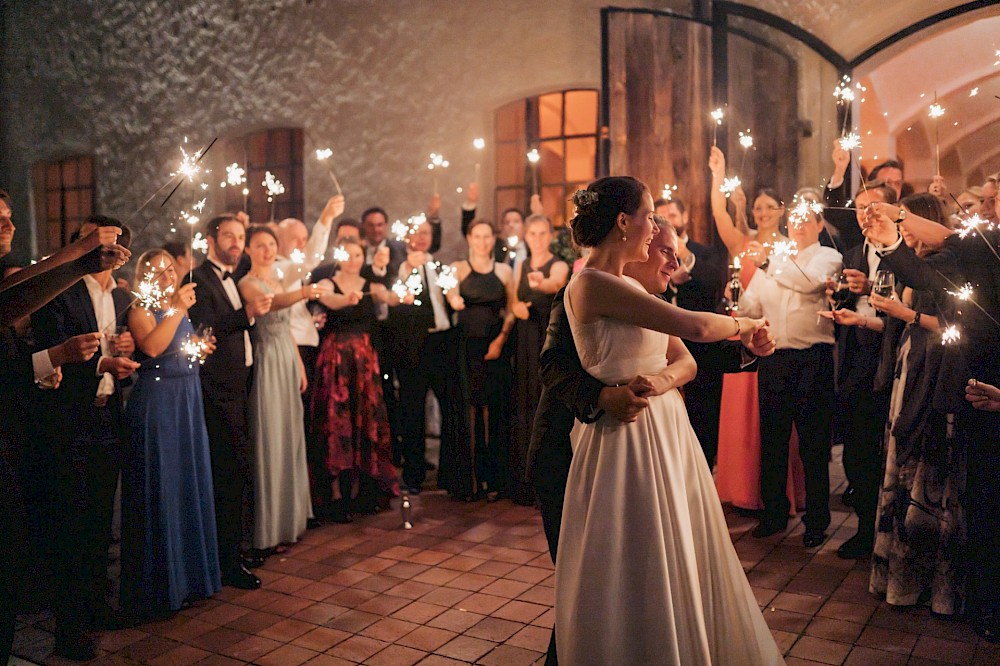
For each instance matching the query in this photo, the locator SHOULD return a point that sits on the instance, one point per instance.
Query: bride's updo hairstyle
(598, 206)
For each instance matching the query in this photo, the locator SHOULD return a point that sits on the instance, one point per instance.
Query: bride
(646, 572)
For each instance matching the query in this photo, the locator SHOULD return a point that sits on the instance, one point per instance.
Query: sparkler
(188, 168)
(935, 112)
(200, 243)
(324, 154)
(845, 96)
(950, 335)
(297, 256)
(192, 220)
(273, 187)
(850, 141)
(402, 229)
(717, 116)
(746, 141)
(446, 277)
(437, 163)
(802, 209)
(729, 185)
(149, 294)
(964, 292)
(533, 158)
(195, 349)
(479, 144)
(340, 254)
(412, 286)
(668, 192)
(236, 176)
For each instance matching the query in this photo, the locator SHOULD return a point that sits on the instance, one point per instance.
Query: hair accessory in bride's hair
(585, 201)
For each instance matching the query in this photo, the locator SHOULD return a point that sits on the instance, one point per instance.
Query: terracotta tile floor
(472, 583)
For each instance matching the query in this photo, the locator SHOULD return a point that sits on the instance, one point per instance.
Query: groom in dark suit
(225, 383)
(570, 393)
(76, 456)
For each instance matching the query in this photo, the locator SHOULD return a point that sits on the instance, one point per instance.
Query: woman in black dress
(481, 302)
(538, 277)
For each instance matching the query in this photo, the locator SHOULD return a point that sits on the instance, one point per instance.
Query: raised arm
(604, 295)
(731, 236)
(153, 337)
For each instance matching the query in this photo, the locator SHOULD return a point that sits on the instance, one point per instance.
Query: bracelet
(864, 322)
(916, 319)
(737, 326)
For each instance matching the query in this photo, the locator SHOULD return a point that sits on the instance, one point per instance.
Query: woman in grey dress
(281, 478)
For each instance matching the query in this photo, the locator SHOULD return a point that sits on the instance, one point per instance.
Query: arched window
(562, 126)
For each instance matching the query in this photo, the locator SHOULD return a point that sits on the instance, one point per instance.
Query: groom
(569, 393)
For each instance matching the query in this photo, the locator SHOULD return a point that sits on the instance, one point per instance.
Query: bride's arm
(681, 368)
(598, 294)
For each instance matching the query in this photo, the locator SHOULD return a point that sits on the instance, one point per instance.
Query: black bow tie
(226, 275)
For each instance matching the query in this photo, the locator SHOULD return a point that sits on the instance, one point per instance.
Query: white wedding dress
(646, 571)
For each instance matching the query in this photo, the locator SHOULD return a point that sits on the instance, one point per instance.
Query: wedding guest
(348, 411)
(225, 380)
(537, 278)
(78, 448)
(738, 462)
(425, 350)
(281, 475)
(918, 555)
(38, 285)
(181, 254)
(481, 302)
(697, 285)
(860, 412)
(169, 549)
(796, 383)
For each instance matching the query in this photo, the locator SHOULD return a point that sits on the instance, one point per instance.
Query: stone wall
(381, 82)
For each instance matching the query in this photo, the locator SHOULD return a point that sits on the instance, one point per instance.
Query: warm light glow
(479, 143)
(324, 153)
(718, 115)
(272, 185)
(746, 140)
(850, 142)
(936, 111)
(950, 335)
(340, 254)
(533, 156)
(729, 185)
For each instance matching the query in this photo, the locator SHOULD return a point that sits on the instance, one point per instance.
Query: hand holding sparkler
(756, 253)
(258, 305)
(841, 160)
(78, 349)
(434, 206)
(877, 225)
(334, 208)
(184, 297)
(983, 396)
(323, 155)
(381, 258)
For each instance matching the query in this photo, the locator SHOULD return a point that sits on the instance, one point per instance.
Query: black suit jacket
(858, 349)
(703, 292)
(844, 221)
(225, 369)
(69, 314)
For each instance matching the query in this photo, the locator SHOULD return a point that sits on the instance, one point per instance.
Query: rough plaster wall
(381, 82)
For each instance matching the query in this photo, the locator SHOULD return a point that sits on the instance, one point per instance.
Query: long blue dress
(169, 546)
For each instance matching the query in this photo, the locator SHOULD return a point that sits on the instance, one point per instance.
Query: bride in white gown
(646, 571)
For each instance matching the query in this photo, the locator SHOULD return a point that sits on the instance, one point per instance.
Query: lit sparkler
(297, 256)
(323, 155)
(200, 243)
(717, 116)
(935, 112)
(802, 209)
(849, 142)
(479, 144)
(950, 335)
(195, 349)
(964, 293)
(149, 294)
(437, 163)
(400, 230)
(746, 141)
(783, 249)
(534, 158)
(340, 254)
(273, 187)
(446, 278)
(729, 185)
(412, 286)
(668, 192)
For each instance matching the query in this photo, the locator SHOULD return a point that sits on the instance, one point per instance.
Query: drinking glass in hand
(885, 284)
(204, 332)
(841, 291)
(113, 340)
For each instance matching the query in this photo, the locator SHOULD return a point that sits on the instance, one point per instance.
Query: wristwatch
(901, 216)
(916, 318)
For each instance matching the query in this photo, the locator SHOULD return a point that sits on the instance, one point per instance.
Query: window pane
(281, 146)
(552, 201)
(71, 203)
(69, 173)
(552, 164)
(550, 115)
(86, 202)
(509, 198)
(581, 112)
(510, 122)
(52, 180)
(53, 207)
(580, 157)
(258, 148)
(86, 166)
(510, 164)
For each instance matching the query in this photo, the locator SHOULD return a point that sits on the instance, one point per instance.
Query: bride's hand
(647, 386)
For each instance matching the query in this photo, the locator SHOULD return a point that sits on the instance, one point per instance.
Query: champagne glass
(885, 283)
(204, 332)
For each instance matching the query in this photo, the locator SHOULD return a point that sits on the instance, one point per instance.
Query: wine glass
(204, 332)
(885, 283)
(113, 340)
(841, 291)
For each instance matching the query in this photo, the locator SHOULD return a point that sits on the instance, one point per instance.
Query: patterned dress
(348, 409)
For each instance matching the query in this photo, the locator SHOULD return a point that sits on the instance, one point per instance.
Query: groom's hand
(621, 402)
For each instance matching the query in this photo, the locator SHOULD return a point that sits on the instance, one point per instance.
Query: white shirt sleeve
(41, 364)
(750, 305)
(889, 249)
(808, 276)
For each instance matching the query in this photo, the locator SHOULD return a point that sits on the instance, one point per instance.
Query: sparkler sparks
(149, 294)
(437, 162)
(194, 349)
(412, 286)
(189, 167)
(200, 243)
(746, 140)
(802, 209)
(297, 256)
(446, 278)
(972, 224)
(964, 292)
(718, 115)
(340, 254)
(402, 229)
(950, 335)
(324, 153)
(935, 111)
(843, 91)
(974, 92)
(272, 185)
(479, 143)
(668, 192)
(729, 185)
(783, 249)
(850, 142)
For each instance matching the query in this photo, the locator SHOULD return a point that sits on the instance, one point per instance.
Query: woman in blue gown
(169, 547)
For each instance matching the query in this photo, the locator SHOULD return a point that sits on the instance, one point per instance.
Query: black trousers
(980, 432)
(83, 475)
(13, 547)
(550, 487)
(795, 386)
(232, 460)
(703, 399)
(861, 417)
(438, 370)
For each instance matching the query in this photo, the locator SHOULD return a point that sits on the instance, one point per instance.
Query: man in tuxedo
(860, 413)
(425, 350)
(570, 393)
(225, 383)
(77, 451)
(697, 284)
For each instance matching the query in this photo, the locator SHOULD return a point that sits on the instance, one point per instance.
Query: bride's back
(612, 350)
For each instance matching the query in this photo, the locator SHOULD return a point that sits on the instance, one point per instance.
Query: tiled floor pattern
(473, 583)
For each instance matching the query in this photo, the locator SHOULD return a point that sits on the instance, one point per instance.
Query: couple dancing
(646, 572)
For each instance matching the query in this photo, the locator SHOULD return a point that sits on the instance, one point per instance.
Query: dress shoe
(240, 577)
(857, 546)
(848, 497)
(813, 538)
(75, 644)
(767, 528)
(312, 523)
(253, 559)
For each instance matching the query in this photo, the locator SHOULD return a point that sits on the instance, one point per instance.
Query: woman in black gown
(538, 277)
(481, 302)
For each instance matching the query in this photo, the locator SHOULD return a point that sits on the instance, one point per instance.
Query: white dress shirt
(429, 276)
(294, 275)
(229, 285)
(790, 293)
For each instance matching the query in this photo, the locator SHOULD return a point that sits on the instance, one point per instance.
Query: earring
(624, 237)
